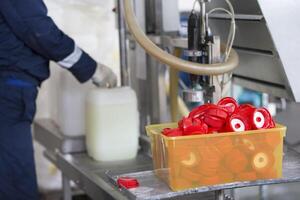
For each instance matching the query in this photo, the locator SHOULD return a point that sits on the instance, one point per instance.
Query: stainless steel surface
(251, 34)
(170, 16)
(248, 7)
(220, 195)
(283, 23)
(147, 74)
(275, 90)
(162, 17)
(91, 177)
(262, 192)
(193, 96)
(122, 44)
(159, 190)
(47, 133)
(260, 66)
(138, 67)
(216, 50)
(237, 16)
(254, 64)
(203, 19)
(290, 117)
(178, 42)
(152, 187)
(266, 34)
(258, 70)
(151, 25)
(67, 192)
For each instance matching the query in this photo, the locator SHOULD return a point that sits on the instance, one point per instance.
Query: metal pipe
(67, 194)
(203, 21)
(220, 195)
(122, 43)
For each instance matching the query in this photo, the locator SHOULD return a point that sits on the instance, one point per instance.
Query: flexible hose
(173, 61)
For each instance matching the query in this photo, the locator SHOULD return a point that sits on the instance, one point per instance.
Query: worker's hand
(104, 77)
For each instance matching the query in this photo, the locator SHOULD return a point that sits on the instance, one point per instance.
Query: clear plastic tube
(232, 31)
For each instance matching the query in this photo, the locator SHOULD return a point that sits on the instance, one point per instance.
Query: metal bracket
(193, 53)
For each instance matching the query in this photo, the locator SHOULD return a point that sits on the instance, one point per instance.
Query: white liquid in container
(112, 124)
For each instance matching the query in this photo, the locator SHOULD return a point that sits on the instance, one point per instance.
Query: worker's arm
(29, 21)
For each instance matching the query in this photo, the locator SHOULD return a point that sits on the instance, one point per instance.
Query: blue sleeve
(29, 21)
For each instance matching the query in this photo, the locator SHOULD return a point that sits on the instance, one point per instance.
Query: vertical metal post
(220, 195)
(67, 192)
(122, 43)
(262, 192)
(232, 194)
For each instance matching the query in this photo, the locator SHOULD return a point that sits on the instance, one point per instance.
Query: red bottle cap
(217, 112)
(272, 125)
(261, 119)
(229, 104)
(236, 123)
(186, 123)
(245, 110)
(172, 132)
(128, 182)
(214, 122)
(200, 111)
(246, 113)
(197, 128)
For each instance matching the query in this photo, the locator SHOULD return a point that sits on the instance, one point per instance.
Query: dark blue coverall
(29, 39)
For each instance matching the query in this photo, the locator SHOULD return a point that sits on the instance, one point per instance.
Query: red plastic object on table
(237, 123)
(229, 104)
(215, 123)
(212, 116)
(226, 116)
(172, 132)
(246, 113)
(191, 126)
(262, 119)
(200, 111)
(272, 125)
(128, 182)
(217, 112)
(246, 110)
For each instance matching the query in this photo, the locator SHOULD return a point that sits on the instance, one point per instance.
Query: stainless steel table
(94, 177)
(97, 179)
(48, 134)
(68, 154)
(91, 176)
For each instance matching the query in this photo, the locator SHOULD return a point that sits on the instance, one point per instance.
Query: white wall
(186, 5)
(92, 24)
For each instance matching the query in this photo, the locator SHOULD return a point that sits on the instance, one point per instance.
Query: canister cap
(128, 182)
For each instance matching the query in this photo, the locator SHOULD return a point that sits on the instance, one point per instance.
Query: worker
(29, 39)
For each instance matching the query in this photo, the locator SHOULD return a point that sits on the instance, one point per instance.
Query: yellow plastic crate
(194, 161)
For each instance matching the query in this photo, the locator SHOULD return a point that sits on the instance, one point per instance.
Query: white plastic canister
(112, 124)
(71, 104)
